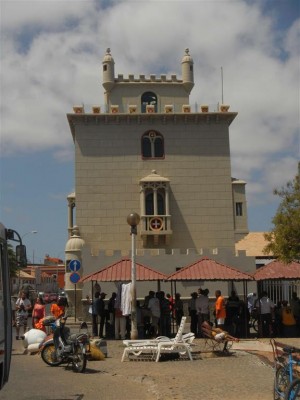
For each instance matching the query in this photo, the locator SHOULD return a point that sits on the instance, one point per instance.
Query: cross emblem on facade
(156, 224)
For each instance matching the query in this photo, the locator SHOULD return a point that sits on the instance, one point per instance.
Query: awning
(209, 270)
(121, 272)
(278, 270)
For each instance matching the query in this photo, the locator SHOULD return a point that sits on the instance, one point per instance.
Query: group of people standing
(233, 314)
(159, 310)
(281, 319)
(154, 316)
(23, 306)
(199, 310)
(227, 313)
(102, 316)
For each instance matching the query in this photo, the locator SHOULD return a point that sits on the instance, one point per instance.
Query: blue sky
(51, 60)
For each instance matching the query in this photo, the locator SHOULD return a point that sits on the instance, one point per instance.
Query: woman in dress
(38, 313)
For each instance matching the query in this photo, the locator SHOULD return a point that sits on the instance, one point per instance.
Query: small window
(148, 98)
(239, 209)
(152, 145)
(105, 67)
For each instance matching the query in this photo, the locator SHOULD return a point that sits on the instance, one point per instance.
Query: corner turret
(187, 71)
(108, 71)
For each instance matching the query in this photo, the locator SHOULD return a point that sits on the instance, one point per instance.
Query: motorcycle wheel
(48, 355)
(79, 359)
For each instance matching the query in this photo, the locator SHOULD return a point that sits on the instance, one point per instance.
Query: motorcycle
(63, 347)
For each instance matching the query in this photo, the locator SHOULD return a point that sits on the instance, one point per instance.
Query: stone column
(71, 205)
(73, 254)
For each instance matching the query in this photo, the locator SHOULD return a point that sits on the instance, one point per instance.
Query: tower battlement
(150, 79)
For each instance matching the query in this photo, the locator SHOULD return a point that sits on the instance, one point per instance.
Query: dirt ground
(245, 373)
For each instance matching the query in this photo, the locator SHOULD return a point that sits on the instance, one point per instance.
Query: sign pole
(75, 266)
(75, 302)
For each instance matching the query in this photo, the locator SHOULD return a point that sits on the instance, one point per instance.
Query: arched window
(149, 202)
(148, 98)
(158, 147)
(152, 145)
(146, 147)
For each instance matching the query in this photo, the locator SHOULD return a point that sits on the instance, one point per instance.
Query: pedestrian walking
(23, 305)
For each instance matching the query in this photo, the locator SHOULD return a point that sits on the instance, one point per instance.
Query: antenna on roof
(222, 85)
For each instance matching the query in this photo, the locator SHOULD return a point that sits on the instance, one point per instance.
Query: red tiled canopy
(278, 270)
(209, 270)
(121, 272)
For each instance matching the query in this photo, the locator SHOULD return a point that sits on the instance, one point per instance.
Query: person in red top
(220, 309)
(38, 313)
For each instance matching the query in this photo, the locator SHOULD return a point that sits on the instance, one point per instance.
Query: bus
(5, 298)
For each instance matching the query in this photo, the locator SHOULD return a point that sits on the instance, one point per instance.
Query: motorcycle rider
(58, 309)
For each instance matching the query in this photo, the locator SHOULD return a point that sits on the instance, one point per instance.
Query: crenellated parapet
(143, 79)
(167, 260)
(203, 252)
(211, 118)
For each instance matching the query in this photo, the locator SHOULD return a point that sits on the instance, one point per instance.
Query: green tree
(284, 238)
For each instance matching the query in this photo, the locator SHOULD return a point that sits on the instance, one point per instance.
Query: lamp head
(133, 219)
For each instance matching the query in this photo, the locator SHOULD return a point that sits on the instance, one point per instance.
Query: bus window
(5, 315)
(5, 299)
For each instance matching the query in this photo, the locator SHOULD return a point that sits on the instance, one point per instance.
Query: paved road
(240, 376)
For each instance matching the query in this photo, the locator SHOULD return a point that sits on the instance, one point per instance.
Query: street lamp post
(27, 233)
(133, 220)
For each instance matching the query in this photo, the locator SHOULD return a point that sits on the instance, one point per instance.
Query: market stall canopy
(121, 272)
(278, 270)
(209, 270)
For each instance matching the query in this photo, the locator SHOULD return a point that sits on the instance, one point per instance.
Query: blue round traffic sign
(74, 265)
(74, 277)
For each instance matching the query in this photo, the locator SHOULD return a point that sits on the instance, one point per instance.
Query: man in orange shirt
(220, 309)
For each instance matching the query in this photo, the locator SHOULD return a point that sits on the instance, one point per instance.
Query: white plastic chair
(155, 347)
(179, 336)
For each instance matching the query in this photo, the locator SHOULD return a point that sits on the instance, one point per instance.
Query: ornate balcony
(155, 225)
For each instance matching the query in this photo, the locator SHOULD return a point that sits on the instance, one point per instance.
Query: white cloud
(52, 57)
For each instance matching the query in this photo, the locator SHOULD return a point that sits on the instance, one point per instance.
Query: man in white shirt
(154, 307)
(23, 305)
(202, 307)
(266, 314)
